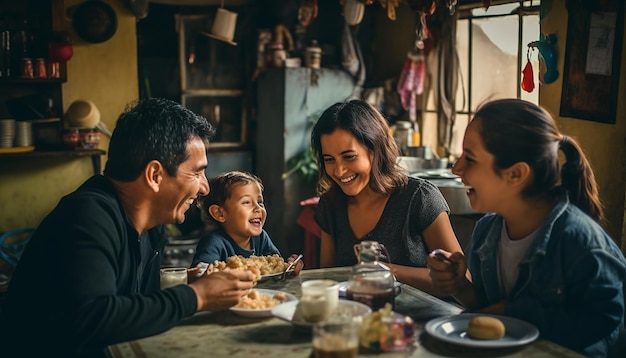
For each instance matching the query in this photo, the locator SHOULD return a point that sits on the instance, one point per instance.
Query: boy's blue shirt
(217, 245)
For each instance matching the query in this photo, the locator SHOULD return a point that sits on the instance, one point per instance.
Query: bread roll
(485, 327)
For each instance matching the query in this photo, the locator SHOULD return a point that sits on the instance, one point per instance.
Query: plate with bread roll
(482, 330)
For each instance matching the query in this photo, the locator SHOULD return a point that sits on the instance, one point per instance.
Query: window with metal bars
(492, 47)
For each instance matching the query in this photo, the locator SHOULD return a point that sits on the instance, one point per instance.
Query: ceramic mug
(319, 300)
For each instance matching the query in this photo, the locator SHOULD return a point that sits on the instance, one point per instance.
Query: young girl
(235, 205)
(541, 254)
(365, 195)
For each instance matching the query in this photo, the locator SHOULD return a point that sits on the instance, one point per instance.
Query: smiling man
(89, 276)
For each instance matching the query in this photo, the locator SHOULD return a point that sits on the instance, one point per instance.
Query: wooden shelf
(31, 81)
(95, 155)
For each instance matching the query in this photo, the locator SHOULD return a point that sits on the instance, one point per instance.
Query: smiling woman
(538, 208)
(366, 195)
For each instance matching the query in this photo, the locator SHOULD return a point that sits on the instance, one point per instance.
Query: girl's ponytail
(578, 178)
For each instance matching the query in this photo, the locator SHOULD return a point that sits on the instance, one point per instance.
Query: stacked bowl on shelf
(7, 133)
(15, 133)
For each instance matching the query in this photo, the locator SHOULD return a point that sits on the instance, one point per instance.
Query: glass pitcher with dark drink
(371, 282)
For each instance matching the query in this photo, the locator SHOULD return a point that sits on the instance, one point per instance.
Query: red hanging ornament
(528, 83)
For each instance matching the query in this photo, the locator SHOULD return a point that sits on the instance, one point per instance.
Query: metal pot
(455, 194)
(451, 187)
(421, 151)
(415, 164)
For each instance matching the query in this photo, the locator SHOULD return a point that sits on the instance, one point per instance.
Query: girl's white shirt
(510, 254)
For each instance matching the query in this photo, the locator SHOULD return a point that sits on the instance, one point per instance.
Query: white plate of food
(453, 329)
(270, 275)
(284, 268)
(259, 302)
(287, 312)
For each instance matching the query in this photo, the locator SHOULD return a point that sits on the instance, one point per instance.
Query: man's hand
(222, 290)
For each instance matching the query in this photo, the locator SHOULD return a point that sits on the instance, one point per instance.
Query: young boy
(235, 205)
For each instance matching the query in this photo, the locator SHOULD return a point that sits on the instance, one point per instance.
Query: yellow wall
(105, 73)
(604, 144)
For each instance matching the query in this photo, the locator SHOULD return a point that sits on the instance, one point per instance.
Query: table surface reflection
(225, 334)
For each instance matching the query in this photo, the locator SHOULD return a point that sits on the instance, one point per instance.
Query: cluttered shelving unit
(31, 79)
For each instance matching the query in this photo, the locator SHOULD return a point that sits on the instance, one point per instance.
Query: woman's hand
(447, 271)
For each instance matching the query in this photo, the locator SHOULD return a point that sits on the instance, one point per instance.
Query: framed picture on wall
(592, 60)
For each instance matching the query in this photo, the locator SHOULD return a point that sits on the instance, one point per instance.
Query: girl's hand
(496, 308)
(447, 271)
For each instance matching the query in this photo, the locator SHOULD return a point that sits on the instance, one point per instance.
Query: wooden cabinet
(289, 101)
(214, 75)
(213, 79)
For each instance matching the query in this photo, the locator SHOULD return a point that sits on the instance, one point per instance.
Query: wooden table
(225, 334)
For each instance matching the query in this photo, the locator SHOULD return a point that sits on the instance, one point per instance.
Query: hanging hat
(223, 26)
(82, 113)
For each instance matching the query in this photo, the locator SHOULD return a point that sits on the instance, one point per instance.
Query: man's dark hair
(153, 129)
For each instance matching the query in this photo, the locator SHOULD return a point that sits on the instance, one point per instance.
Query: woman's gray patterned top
(408, 212)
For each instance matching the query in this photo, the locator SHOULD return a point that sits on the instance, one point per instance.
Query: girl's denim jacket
(570, 283)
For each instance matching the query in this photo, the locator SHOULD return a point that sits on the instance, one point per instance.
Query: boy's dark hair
(221, 189)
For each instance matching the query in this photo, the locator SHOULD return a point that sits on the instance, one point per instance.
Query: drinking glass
(173, 276)
(337, 337)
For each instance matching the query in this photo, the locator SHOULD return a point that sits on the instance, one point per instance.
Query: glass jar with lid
(403, 134)
(371, 281)
(313, 55)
